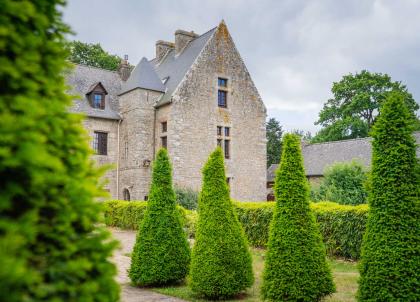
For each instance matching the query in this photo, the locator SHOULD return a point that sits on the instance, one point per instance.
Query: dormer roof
(94, 87)
(143, 76)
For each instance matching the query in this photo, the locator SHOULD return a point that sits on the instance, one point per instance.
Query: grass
(345, 278)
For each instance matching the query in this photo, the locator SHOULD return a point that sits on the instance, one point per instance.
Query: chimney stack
(182, 38)
(124, 70)
(162, 48)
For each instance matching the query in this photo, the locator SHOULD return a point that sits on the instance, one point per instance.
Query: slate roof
(317, 157)
(80, 81)
(174, 67)
(143, 76)
(147, 74)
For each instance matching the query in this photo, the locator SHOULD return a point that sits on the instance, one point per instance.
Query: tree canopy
(274, 133)
(356, 103)
(92, 55)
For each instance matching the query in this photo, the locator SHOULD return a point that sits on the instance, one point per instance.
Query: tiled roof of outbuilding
(81, 79)
(317, 157)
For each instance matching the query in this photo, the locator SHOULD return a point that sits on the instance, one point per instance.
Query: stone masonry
(173, 99)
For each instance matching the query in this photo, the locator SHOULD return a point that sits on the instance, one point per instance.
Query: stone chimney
(124, 70)
(182, 38)
(162, 48)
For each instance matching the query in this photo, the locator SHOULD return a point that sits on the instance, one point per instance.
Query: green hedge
(128, 214)
(342, 226)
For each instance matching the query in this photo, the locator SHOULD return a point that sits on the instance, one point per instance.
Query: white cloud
(294, 49)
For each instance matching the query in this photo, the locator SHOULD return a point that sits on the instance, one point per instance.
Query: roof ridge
(90, 66)
(340, 141)
(350, 139)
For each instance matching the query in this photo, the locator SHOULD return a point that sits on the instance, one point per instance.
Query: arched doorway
(126, 194)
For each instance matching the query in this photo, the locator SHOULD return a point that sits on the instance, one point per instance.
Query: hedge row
(128, 214)
(342, 226)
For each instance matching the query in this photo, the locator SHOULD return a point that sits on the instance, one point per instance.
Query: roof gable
(175, 67)
(97, 87)
(143, 76)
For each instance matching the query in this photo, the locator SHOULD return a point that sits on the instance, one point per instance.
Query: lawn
(345, 278)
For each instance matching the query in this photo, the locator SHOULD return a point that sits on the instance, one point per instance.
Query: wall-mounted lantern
(146, 163)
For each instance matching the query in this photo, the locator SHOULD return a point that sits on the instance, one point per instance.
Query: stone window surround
(95, 142)
(163, 133)
(228, 90)
(220, 139)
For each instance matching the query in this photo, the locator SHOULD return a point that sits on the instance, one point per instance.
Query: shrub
(221, 262)
(161, 254)
(51, 245)
(389, 269)
(296, 268)
(343, 183)
(342, 226)
(129, 215)
(186, 198)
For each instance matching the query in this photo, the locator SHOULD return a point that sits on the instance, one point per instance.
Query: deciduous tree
(356, 103)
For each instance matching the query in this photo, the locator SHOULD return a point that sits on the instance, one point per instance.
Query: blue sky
(294, 49)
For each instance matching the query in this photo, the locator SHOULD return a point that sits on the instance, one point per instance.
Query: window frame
(100, 142)
(226, 148)
(222, 92)
(164, 126)
(101, 104)
(164, 142)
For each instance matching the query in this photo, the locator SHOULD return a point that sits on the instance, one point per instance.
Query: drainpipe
(118, 159)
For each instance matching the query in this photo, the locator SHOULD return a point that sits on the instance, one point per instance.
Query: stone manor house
(195, 95)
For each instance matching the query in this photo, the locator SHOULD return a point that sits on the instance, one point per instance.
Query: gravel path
(122, 261)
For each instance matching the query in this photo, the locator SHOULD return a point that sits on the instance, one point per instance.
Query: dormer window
(98, 101)
(96, 96)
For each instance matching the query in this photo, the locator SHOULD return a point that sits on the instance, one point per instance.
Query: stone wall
(195, 115)
(92, 124)
(136, 136)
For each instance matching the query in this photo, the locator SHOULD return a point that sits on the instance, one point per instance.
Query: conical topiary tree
(161, 254)
(221, 264)
(390, 259)
(295, 266)
(51, 246)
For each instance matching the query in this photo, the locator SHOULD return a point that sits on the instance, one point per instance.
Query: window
(164, 142)
(227, 146)
(126, 194)
(222, 82)
(146, 198)
(164, 126)
(223, 140)
(228, 181)
(221, 99)
(98, 101)
(126, 149)
(222, 93)
(100, 143)
(96, 96)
